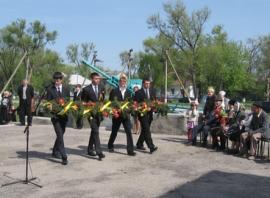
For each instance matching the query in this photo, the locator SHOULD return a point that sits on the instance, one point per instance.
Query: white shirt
(59, 88)
(260, 113)
(123, 91)
(24, 92)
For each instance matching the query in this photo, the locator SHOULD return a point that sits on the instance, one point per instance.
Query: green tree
(184, 31)
(224, 64)
(76, 53)
(130, 60)
(28, 38)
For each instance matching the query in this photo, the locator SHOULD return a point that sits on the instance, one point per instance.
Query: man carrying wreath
(94, 93)
(122, 96)
(58, 92)
(145, 94)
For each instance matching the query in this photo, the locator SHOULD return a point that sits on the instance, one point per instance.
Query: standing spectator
(210, 102)
(77, 93)
(5, 108)
(192, 119)
(77, 97)
(13, 109)
(26, 98)
(225, 101)
(136, 122)
(208, 109)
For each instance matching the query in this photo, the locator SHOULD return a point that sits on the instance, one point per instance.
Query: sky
(118, 25)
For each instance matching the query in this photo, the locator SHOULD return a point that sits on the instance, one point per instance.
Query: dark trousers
(218, 132)
(4, 117)
(25, 110)
(79, 123)
(59, 125)
(116, 123)
(200, 128)
(94, 136)
(145, 131)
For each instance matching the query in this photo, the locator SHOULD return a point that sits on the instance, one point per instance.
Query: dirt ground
(175, 170)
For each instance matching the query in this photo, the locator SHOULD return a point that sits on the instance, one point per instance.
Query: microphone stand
(27, 163)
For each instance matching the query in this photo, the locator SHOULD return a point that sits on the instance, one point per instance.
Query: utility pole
(166, 80)
(268, 89)
(179, 79)
(129, 63)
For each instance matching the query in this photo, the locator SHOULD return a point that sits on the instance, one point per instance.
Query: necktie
(96, 91)
(59, 92)
(147, 93)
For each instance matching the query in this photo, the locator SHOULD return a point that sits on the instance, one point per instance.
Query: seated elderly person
(257, 129)
(235, 125)
(214, 124)
(208, 109)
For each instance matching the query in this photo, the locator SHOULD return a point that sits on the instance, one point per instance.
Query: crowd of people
(227, 120)
(222, 119)
(8, 110)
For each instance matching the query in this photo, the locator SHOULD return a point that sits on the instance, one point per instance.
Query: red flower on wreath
(105, 114)
(135, 105)
(61, 101)
(115, 113)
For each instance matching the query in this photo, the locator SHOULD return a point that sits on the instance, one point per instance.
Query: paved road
(175, 170)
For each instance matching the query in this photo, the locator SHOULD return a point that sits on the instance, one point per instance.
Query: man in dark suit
(77, 97)
(94, 93)
(144, 94)
(77, 93)
(121, 93)
(26, 98)
(56, 92)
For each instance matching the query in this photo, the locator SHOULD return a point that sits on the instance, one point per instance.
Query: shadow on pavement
(221, 184)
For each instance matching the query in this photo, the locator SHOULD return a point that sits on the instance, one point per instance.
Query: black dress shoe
(111, 150)
(152, 150)
(100, 156)
(131, 153)
(194, 142)
(92, 153)
(56, 155)
(64, 161)
(141, 148)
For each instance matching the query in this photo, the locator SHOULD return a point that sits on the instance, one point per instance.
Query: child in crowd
(192, 118)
